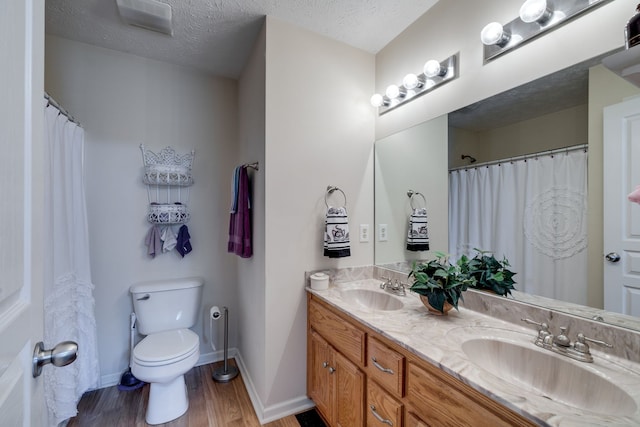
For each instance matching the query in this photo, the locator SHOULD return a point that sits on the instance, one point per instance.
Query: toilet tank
(164, 305)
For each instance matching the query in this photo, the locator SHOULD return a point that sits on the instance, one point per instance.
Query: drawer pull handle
(325, 364)
(331, 370)
(382, 368)
(378, 417)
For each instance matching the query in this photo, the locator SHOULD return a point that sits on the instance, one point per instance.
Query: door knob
(612, 257)
(61, 355)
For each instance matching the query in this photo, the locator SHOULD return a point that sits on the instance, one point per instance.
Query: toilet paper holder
(224, 373)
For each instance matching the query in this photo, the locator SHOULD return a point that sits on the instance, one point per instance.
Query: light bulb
(377, 100)
(432, 68)
(411, 81)
(392, 91)
(535, 11)
(493, 33)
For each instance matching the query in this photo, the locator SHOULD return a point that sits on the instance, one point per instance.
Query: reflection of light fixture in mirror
(535, 11)
(536, 17)
(494, 34)
(413, 85)
(378, 100)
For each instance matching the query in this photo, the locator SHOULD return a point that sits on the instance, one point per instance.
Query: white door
(621, 218)
(21, 83)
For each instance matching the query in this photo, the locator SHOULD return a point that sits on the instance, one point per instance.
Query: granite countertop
(438, 340)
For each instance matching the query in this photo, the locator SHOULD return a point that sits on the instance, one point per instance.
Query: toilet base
(167, 401)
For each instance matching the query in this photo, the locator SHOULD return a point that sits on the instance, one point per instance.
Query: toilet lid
(165, 346)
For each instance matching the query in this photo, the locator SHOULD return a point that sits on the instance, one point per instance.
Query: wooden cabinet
(382, 409)
(334, 383)
(386, 366)
(347, 361)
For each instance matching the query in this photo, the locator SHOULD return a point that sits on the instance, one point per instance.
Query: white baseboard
(273, 412)
(264, 414)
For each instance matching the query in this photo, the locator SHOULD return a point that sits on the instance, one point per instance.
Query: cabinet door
(349, 387)
(320, 385)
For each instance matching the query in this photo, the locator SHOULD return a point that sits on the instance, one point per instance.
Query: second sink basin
(371, 299)
(551, 375)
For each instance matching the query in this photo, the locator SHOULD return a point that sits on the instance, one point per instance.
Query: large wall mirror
(552, 113)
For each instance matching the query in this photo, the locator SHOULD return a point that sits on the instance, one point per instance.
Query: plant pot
(447, 307)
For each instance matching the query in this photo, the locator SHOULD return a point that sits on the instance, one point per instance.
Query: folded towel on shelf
(183, 245)
(418, 235)
(168, 238)
(336, 233)
(240, 221)
(153, 241)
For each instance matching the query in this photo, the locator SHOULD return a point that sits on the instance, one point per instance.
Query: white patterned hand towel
(418, 236)
(336, 235)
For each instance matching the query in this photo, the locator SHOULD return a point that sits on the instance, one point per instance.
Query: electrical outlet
(364, 232)
(382, 232)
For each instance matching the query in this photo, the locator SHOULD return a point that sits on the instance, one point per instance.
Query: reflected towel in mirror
(418, 235)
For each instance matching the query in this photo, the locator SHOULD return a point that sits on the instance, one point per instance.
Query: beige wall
(319, 132)
(122, 101)
(413, 159)
(555, 130)
(454, 26)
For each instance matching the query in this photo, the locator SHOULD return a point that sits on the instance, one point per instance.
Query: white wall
(319, 132)
(123, 101)
(454, 26)
(252, 333)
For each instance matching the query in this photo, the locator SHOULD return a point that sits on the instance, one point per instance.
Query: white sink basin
(371, 299)
(553, 376)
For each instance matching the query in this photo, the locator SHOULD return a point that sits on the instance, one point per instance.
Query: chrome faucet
(561, 344)
(396, 287)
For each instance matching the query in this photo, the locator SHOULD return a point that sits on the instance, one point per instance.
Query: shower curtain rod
(62, 111)
(584, 147)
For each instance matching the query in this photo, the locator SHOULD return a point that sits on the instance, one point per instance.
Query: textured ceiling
(558, 91)
(216, 35)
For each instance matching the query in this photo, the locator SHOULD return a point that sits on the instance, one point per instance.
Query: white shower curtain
(533, 211)
(68, 290)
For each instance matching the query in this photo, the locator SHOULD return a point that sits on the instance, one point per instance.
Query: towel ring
(330, 190)
(411, 194)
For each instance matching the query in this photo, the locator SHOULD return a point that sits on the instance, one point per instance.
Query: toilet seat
(165, 348)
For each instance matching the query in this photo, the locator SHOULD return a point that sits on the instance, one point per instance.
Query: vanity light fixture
(535, 18)
(434, 74)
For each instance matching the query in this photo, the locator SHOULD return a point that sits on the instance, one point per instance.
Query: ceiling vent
(149, 14)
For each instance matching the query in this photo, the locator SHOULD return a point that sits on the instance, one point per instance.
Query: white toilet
(165, 310)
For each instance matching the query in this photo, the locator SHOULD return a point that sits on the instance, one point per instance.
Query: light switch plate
(382, 233)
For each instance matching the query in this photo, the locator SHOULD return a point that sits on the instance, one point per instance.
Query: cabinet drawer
(413, 421)
(442, 400)
(386, 366)
(345, 337)
(382, 409)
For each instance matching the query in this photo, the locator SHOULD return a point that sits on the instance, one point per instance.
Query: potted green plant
(440, 283)
(489, 273)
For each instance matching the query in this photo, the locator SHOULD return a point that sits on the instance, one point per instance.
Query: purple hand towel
(183, 245)
(240, 220)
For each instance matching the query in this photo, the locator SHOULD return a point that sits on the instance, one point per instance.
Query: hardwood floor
(210, 404)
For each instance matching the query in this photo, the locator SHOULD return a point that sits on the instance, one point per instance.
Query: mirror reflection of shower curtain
(532, 211)
(68, 290)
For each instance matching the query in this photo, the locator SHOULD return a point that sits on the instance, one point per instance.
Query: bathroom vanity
(376, 363)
